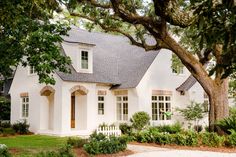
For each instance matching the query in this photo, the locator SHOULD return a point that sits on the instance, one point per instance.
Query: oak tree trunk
(219, 107)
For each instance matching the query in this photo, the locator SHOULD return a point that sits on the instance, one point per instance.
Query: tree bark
(217, 89)
(219, 108)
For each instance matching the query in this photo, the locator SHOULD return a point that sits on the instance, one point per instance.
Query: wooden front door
(72, 111)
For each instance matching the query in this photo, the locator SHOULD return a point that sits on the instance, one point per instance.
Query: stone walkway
(148, 151)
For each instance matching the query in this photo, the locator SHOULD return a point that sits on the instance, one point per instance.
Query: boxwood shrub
(76, 142)
(100, 144)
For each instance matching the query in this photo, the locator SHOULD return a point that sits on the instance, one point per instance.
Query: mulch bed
(201, 148)
(80, 152)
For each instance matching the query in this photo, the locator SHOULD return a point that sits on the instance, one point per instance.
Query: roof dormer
(81, 55)
(85, 59)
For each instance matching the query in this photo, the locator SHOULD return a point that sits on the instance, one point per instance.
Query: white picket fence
(110, 130)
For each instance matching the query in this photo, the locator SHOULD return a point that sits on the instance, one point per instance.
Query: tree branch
(171, 12)
(142, 43)
(97, 4)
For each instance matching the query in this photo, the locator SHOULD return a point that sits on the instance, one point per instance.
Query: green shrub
(163, 138)
(227, 124)
(97, 137)
(5, 124)
(21, 127)
(232, 111)
(100, 144)
(125, 128)
(212, 139)
(144, 136)
(172, 129)
(8, 131)
(140, 120)
(65, 151)
(4, 151)
(231, 139)
(76, 142)
(188, 138)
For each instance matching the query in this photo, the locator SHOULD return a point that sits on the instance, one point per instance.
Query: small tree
(193, 112)
(140, 120)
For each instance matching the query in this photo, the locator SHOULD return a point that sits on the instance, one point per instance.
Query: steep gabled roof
(115, 60)
(187, 84)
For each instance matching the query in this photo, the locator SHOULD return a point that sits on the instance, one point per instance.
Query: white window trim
(21, 107)
(164, 101)
(99, 101)
(90, 60)
(122, 108)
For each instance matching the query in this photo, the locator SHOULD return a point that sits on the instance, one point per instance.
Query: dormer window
(84, 59)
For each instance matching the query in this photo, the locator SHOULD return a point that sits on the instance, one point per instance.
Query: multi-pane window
(101, 105)
(25, 107)
(84, 59)
(122, 108)
(32, 70)
(161, 105)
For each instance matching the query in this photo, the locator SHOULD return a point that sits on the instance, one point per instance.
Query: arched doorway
(78, 107)
(47, 108)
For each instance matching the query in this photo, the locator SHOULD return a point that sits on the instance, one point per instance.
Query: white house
(109, 82)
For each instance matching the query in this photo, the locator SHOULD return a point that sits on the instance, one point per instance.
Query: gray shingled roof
(115, 60)
(187, 84)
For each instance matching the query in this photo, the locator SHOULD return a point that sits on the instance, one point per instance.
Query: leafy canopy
(28, 36)
(205, 27)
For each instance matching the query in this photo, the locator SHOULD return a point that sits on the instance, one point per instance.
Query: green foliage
(232, 111)
(188, 138)
(227, 124)
(176, 63)
(231, 140)
(65, 151)
(8, 131)
(28, 36)
(4, 151)
(163, 138)
(172, 129)
(77, 142)
(193, 111)
(212, 139)
(125, 128)
(100, 144)
(5, 109)
(140, 120)
(21, 127)
(145, 136)
(5, 124)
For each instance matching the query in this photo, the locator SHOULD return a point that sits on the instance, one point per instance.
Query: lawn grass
(29, 145)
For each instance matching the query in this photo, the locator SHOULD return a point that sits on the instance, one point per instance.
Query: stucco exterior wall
(38, 107)
(52, 114)
(159, 76)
